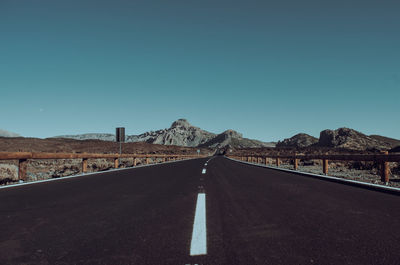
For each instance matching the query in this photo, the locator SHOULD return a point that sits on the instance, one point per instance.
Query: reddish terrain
(56, 145)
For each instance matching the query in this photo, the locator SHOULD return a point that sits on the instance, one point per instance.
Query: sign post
(120, 137)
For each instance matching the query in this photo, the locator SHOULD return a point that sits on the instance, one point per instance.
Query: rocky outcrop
(233, 139)
(350, 139)
(298, 141)
(390, 141)
(182, 133)
(4, 133)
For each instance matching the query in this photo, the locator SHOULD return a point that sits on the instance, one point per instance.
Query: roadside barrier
(383, 160)
(24, 158)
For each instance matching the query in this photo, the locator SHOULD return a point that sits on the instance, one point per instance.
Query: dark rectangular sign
(120, 134)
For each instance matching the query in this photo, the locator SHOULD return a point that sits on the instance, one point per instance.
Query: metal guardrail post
(325, 166)
(22, 169)
(385, 172)
(84, 165)
(295, 163)
(385, 169)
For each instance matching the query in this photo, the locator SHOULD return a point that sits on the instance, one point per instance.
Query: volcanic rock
(390, 141)
(231, 138)
(182, 133)
(350, 139)
(298, 141)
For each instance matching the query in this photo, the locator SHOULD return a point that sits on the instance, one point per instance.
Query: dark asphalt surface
(145, 216)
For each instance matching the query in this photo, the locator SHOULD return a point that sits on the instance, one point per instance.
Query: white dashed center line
(198, 245)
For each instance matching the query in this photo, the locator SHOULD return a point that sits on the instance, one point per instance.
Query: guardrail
(382, 159)
(24, 157)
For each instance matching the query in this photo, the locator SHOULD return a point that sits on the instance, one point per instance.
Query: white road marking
(205, 164)
(204, 171)
(198, 246)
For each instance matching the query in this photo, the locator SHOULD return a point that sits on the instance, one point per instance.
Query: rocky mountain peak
(232, 134)
(182, 133)
(233, 139)
(181, 123)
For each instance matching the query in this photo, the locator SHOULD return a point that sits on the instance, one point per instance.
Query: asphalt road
(145, 215)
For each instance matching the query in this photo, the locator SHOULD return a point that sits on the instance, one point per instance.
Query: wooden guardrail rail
(24, 157)
(382, 159)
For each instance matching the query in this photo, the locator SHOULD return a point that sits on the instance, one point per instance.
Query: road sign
(120, 134)
(120, 138)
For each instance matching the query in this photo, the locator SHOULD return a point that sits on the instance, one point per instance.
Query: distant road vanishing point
(202, 211)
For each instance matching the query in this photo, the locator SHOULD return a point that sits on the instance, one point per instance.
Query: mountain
(4, 133)
(391, 141)
(90, 136)
(181, 133)
(350, 139)
(234, 139)
(298, 141)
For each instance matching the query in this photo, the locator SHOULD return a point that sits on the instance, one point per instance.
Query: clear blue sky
(268, 69)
